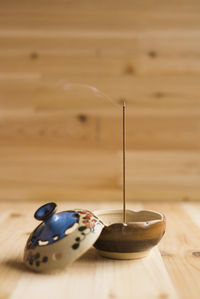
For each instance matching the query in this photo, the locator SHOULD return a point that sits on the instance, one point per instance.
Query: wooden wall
(65, 143)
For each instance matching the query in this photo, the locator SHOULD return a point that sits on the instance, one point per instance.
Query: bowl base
(124, 255)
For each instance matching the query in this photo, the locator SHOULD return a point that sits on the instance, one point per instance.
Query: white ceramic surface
(65, 251)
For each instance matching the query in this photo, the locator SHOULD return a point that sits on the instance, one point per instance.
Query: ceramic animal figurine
(61, 238)
(142, 231)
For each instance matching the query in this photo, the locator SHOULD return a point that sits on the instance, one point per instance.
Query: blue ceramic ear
(45, 211)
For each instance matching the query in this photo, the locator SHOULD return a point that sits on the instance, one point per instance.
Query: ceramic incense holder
(133, 240)
(61, 238)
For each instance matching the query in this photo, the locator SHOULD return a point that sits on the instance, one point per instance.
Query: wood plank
(147, 129)
(70, 64)
(103, 275)
(178, 249)
(142, 54)
(148, 15)
(107, 274)
(177, 93)
(193, 210)
(122, 64)
(39, 173)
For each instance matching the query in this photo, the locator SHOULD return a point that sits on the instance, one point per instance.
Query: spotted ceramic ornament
(61, 238)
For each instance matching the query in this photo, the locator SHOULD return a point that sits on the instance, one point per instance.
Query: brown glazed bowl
(142, 231)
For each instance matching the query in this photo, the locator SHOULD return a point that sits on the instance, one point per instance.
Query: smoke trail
(63, 85)
(93, 89)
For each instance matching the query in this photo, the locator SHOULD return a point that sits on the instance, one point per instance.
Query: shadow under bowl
(142, 231)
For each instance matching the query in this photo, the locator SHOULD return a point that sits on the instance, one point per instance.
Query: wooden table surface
(171, 271)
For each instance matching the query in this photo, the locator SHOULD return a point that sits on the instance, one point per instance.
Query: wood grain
(154, 130)
(96, 276)
(173, 274)
(65, 145)
(147, 53)
(49, 173)
(124, 56)
(92, 14)
(170, 95)
(180, 247)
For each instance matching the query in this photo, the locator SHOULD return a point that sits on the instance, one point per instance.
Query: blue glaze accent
(45, 211)
(53, 225)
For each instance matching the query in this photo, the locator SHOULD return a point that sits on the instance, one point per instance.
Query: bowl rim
(161, 218)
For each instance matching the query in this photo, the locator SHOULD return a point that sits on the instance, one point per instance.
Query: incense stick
(124, 162)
